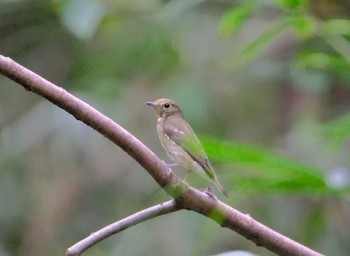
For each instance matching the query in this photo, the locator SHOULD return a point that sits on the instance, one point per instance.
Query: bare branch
(146, 214)
(185, 196)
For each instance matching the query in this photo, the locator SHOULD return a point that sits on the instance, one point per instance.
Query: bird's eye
(167, 105)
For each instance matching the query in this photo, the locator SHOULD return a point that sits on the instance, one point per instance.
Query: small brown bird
(180, 142)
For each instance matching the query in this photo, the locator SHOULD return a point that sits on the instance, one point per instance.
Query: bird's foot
(169, 166)
(210, 192)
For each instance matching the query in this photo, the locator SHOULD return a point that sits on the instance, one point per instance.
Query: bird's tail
(219, 186)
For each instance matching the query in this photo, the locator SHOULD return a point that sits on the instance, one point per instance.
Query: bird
(180, 141)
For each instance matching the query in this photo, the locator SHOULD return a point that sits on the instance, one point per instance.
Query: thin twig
(146, 214)
(185, 196)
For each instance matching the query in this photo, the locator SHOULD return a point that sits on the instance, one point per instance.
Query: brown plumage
(180, 142)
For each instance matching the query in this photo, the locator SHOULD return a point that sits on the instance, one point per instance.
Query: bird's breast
(174, 151)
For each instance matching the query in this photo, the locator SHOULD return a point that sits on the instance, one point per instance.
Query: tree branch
(146, 214)
(185, 196)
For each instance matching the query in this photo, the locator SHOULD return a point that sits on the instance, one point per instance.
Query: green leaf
(292, 4)
(337, 27)
(335, 63)
(323, 60)
(233, 19)
(265, 170)
(338, 130)
(304, 25)
(316, 60)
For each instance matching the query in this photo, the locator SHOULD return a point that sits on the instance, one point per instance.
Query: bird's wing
(183, 135)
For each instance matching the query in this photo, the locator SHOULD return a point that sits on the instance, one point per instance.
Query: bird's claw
(210, 192)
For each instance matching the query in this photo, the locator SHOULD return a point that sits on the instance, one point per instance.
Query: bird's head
(165, 108)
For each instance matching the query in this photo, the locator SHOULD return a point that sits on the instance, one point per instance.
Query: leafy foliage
(267, 171)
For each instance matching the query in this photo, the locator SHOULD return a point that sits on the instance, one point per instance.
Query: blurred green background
(264, 83)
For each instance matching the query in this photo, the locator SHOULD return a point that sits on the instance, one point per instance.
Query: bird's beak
(150, 103)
